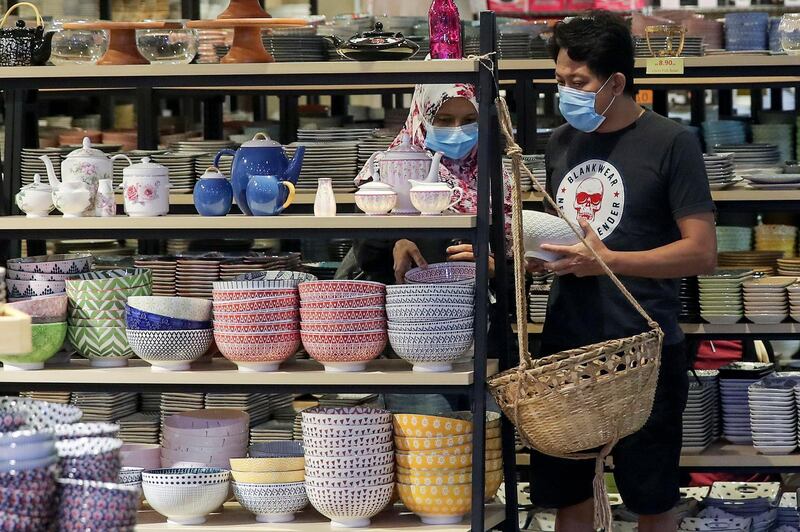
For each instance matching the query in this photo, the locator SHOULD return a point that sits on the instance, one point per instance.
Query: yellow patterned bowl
(457, 423)
(272, 477)
(419, 461)
(429, 444)
(265, 465)
(493, 478)
(492, 445)
(437, 505)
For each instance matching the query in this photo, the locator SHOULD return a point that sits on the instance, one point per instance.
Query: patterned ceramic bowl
(104, 503)
(213, 422)
(314, 430)
(254, 305)
(267, 465)
(9, 467)
(86, 430)
(441, 299)
(103, 346)
(226, 291)
(322, 290)
(346, 416)
(437, 505)
(431, 351)
(25, 276)
(60, 264)
(443, 273)
(40, 414)
(346, 482)
(46, 309)
(116, 297)
(344, 326)
(95, 322)
(350, 507)
(84, 308)
(345, 302)
(432, 326)
(180, 308)
(272, 477)
(341, 452)
(90, 458)
(130, 475)
(342, 314)
(428, 313)
(47, 340)
(423, 426)
(356, 442)
(353, 473)
(542, 228)
(28, 450)
(186, 496)
(277, 449)
(170, 350)
(106, 280)
(433, 461)
(375, 204)
(260, 316)
(141, 320)
(431, 444)
(268, 327)
(39, 477)
(24, 501)
(278, 279)
(420, 290)
(339, 464)
(252, 352)
(30, 289)
(344, 351)
(271, 503)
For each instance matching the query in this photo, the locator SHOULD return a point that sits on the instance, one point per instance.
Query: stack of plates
(754, 500)
(202, 146)
(789, 267)
(734, 380)
(105, 407)
(692, 46)
(773, 414)
(534, 163)
(537, 300)
(295, 48)
(272, 430)
(176, 403)
(746, 31)
(760, 261)
(372, 144)
(333, 135)
(163, 270)
(781, 135)
(142, 427)
(150, 401)
(723, 132)
(509, 46)
(206, 42)
(62, 398)
(194, 278)
(779, 238)
(181, 166)
(733, 238)
(772, 181)
(335, 160)
(205, 160)
(136, 157)
(701, 416)
(766, 300)
(257, 405)
(751, 158)
(787, 511)
(721, 295)
(3, 294)
(690, 300)
(31, 164)
(794, 301)
(720, 169)
(229, 271)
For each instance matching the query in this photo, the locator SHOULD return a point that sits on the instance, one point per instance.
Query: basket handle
(39, 21)
(515, 152)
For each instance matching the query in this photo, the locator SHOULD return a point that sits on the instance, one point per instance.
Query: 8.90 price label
(665, 65)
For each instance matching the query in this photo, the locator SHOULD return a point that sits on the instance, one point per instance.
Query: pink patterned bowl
(349, 302)
(264, 327)
(344, 351)
(343, 326)
(316, 290)
(258, 316)
(443, 272)
(251, 305)
(239, 295)
(45, 309)
(258, 353)
(342, 314)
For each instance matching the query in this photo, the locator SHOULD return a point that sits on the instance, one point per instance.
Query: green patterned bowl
(103, 346)
(81, 314)
(89, 306)
(79, 298)
(97, 322)
(47, 339)
(106, 280)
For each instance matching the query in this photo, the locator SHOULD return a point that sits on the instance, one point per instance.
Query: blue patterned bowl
(34, 478)
(145, 321)
(272, 503)
(90, 458)
(107, 504)
(24, 501)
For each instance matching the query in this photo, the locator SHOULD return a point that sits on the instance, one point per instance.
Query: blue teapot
(258, 157)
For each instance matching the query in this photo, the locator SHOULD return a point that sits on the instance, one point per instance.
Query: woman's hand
(578, 260)
(406, 256)
(466, 253)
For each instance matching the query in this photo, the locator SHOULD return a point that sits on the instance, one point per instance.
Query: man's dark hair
(600, 39)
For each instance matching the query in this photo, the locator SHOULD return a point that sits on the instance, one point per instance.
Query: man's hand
(535, 266)
(406, 256)
(466, 253)
(578, 260)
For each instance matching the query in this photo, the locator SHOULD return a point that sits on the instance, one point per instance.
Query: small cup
(434, 202)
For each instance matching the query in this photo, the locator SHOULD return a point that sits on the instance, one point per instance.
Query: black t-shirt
(631, 185)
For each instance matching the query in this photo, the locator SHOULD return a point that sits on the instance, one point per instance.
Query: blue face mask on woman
(453, 142)
(578, 108)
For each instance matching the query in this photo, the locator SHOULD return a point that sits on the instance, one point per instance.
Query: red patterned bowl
(343, 314)
(258, 352)
(316, 290)
(247, 328)
(344, 351)
(258, 316)
(344, 326)
(250, 305)
(350, 302)
(238, 295)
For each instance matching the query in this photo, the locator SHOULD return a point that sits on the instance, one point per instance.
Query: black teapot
(21, 45)
(376, 45)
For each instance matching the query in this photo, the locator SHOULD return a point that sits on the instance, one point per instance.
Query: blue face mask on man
(578, 108)
(453, 142)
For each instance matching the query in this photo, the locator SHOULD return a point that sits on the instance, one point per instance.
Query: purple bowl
(145, 321)
(99, 502)
(39, 478)
(11, 521)
(24, 501)
(102, 468)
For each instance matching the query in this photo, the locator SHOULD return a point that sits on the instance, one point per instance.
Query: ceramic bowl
(86, 430)
(28, 450)
(356, 472)
(185, 496)
(277, 449)
(201, 443)
(46, 339)
(30, 289)
(226, 291)
(97, 309)
(269, 477)
(25, 276)
(82, 501)
(344, 351)
(345, 302)
(313, 430)
(140, 320)
(254, 305)
(352, 416)
(278, 279)
(267, 465)
(342, 314)
(107, 280)
(375, 204)
(70, 263)
(442, 326)
(321, 290)
(251, 328)
(443, 273)
(340, 452)
(437, 505)
(355, 442)
(170, 350)
(343, 326)
(428, 313)
(38, 477)
(116, 297)
(431, 351)
(103, 346)
(541, 228)
(90, 458)
(260, 316)
(130, 475)
(16, 466)
(46, 309)
(347, 482)
(429, 290)
(431, 299)
(350, 507)
(422, 444)
(264, 352)
(417, 461)
(271, 503)
(27, 502)
(40, 414)
(341, 463)
(213, 422)
(147, 456)
(12, 521)
(180, 308)
(423, 426)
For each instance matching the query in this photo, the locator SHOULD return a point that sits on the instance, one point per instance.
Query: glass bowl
(77, 46)
(171, 47)
(789, 31)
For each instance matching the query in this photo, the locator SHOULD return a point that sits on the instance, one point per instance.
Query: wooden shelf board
(198, 223)
(302, 198)
(707, 329)
(223, 372)
(233, 517)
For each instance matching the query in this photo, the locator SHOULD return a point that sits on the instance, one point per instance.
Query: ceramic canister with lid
(213, 193)
(145, 189)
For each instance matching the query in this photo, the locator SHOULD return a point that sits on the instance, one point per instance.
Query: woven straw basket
(579, 403)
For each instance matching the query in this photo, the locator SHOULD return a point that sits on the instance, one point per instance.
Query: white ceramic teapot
(433, 198)
(399, 166)
(86, 165)
(35, 199)
(145, 189)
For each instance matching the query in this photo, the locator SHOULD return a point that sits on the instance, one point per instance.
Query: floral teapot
(86, 165)
(399, 166)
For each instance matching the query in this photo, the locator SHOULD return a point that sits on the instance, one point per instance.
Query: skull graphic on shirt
(588, 198)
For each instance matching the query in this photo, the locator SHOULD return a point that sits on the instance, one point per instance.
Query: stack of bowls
(256, 322)
(169, 332)
(271, 488)
(97, 313)
(74, 431)
(48, 332)
(349, 463)
(343, 323)
(766, 300)
(90, 458)
(28, 472)
(210, 437)
(37, 415)
(434, 464)
(91, 505)
(430, 343)
(771, 237)
(142, 455)
(721, 295)
(43, 275)
(186, 495)
(443, 273)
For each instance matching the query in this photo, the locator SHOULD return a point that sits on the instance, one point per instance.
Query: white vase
(325, 200)
(105, 202)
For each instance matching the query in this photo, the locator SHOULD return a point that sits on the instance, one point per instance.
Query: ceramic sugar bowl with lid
(145, 189)
(35, 199)
(375, 198)
(213, 193)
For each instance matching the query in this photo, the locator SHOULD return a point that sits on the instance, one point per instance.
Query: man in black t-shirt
(636, 183)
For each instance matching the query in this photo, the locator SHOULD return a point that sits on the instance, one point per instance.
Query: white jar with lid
(145, 189)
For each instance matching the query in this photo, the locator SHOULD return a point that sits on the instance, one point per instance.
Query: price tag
(665, 65)
(644, 97)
